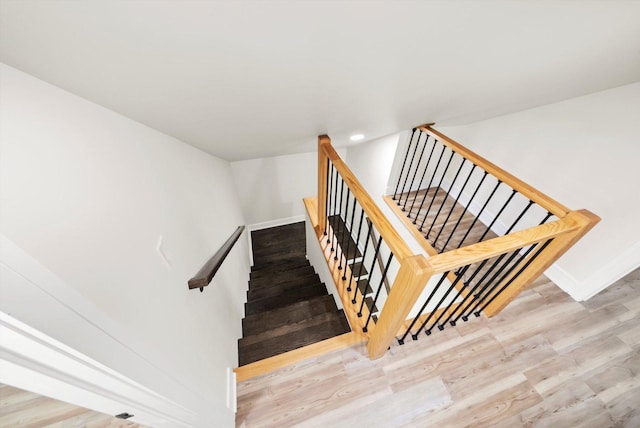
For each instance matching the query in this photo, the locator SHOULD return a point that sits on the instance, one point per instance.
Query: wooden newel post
(323, 140)
(413, 275)
(560, 244)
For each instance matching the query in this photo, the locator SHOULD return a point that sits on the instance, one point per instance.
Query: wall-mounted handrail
(209, 269)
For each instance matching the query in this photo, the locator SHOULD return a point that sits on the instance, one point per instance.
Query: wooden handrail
(390, 236)
(206, 272)
(477, 252)
(546, 202)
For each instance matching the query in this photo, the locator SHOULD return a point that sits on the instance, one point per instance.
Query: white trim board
(275, 223)
(51, 338)
(579, 290)
(35, 362)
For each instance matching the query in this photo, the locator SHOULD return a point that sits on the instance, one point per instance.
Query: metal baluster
(464, 210)
(404, 185)
(445, 199)
(473, 168)
(333, 216)
(343, 232)
(493, 192)
(329, 201)
(481, 281)
(547, 217)
(415, 173)
(469, 293)
(424, 173)
(446, 294)
(491, 282)
(375, 299)
(406, 155)
(364, 254)
(339, 219)
(519, 217)
(446, 168)
(353, 213)
(429, 186)
(373, 264)
(495, 218)
(415, 336)
(357, 246)
(526, 265)
(326, 200)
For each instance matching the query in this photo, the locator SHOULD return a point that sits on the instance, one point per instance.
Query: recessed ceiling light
(357, 137)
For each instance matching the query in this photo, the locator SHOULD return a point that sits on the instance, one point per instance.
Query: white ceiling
(252, 79)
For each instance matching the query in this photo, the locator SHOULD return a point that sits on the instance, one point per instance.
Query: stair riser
(275, 269)
(285, 299)
(288, 329)
(281, 277)
(285, 343)
(256, 324)
(277, 289)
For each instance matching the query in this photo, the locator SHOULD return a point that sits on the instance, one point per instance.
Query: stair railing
(453, 283)
(362, 249)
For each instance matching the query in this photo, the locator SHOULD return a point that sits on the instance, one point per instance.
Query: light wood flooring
(24, 409)
(545, 361)
(459, 221)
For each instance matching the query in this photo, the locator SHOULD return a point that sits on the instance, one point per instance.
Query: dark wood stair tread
(284, 299)
(277, 277)
(290, 341)
(372, 307)
(276, 289)
(355, 268)
(255, 324)
(266, 265)
(364, 287)
(344, 237)
(290, 328)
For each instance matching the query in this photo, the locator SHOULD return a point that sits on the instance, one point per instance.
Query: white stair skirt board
(37, 305)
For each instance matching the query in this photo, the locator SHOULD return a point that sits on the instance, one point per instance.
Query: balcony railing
(486, 233)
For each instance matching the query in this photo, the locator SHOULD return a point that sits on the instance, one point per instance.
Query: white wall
(90, 195)
(271, 189)
(584, 153)
(372, 163)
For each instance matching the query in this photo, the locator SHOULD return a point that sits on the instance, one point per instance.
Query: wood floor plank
(24, 409)
(545, 361)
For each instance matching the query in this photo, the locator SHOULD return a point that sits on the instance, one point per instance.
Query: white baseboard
(275, 223)
(626, 262)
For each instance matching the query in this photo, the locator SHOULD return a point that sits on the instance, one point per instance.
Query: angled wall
(123, 216)
(582, 152)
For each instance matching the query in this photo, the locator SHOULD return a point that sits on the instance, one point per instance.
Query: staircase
(287, 307)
